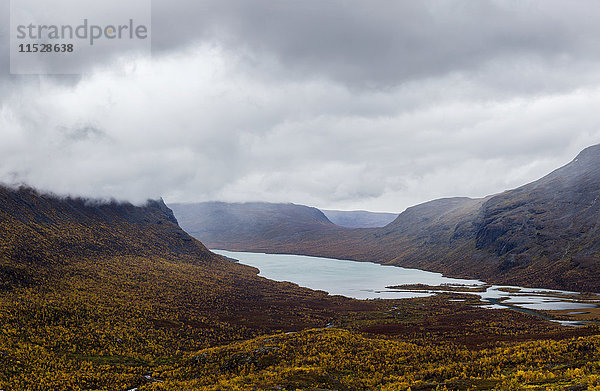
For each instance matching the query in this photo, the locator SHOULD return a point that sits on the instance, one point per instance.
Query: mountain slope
(109, 296)
(221, 224)
(45, 228)
(95, 295)
(543, 234)
(550, 226)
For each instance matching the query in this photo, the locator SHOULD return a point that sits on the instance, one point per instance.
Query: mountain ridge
(542, 234)
(271, 221)
(112, 296)
(96, 294)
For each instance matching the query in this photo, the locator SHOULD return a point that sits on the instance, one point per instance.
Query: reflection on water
(365, 280)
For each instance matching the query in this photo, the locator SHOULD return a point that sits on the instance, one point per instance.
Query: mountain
(96, 294)
(543, 234)
(221, 225)
(42, 229)
(359, 218)
(548, 227)
(110, 296)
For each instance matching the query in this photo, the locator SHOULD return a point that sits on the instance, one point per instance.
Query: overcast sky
(375, 105)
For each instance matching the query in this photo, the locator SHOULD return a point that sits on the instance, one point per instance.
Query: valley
(300, 195)
(109, 296)
(540, 235)
(103, 295)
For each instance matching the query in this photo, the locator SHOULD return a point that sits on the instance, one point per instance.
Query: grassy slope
(86, 284)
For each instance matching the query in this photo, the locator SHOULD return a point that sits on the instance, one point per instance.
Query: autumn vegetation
(109, 296)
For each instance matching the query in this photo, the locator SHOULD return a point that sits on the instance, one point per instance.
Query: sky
(373, 105)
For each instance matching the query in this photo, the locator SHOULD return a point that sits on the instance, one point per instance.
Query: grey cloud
(103, 54)
(384, 43)
(363, 105)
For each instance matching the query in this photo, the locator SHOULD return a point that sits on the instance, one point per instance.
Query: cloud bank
(372, 105)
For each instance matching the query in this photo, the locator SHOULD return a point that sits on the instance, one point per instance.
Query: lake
(366, 280)
(360, 280)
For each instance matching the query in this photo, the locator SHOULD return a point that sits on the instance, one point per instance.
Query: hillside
(110, 296)
(548, 229)
(359, 218)
(543, 234)
(220, 224)
(96, 294)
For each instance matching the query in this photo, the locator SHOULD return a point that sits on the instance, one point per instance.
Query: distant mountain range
(221, 224)
(543, 234)
(359, 218)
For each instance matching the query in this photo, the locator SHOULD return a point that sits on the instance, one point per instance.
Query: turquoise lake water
(360, 280)
(366, 280)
